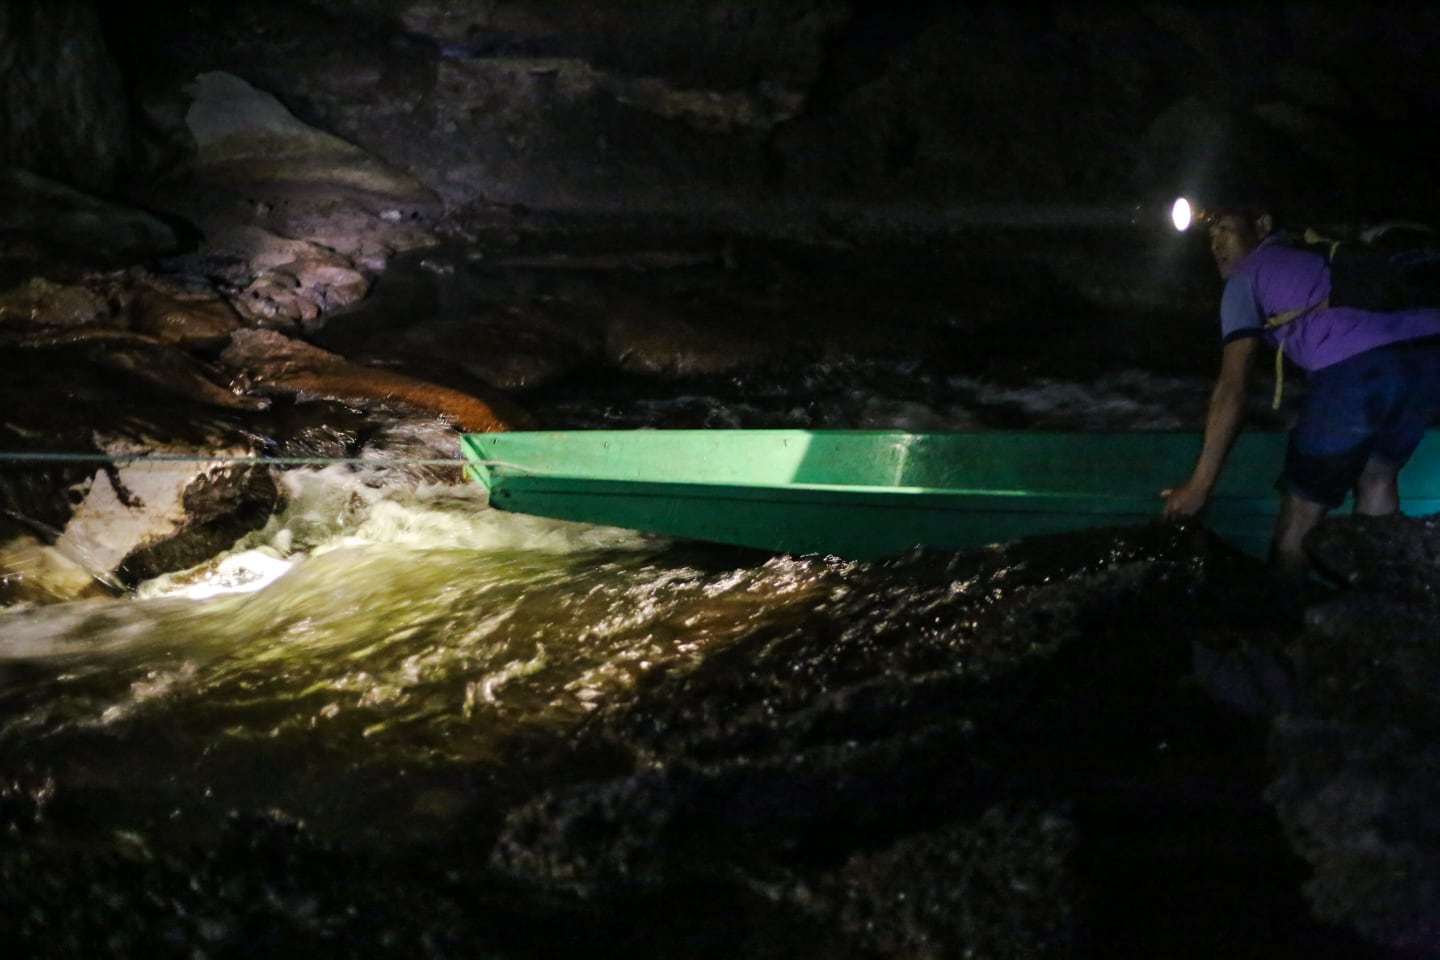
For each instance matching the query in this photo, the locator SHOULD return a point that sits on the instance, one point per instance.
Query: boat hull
(868, 494)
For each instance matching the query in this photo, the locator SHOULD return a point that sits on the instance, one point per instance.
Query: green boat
(864, 494)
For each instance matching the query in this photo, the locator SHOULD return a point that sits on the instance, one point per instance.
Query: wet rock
(40, 303)
(367, 234)
(639, 338)
(42, 220)
(317, 428)
(274, 299)
(23, 799)
(1356, 766)
(64, 113)
(135, 520)
(246, 136)
(1002, 887)
(276, 365)
(158, 365)
(1358, 803)
(200, 321)
(1372, 661)
(265, 884)
(34, 572)
(279, 281)
(220, 506)
(128, 322)
(515, 346)
(1397, 556)
(296, 281)
(79, 512)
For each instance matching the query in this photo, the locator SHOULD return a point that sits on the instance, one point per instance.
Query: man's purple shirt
(1276, 278)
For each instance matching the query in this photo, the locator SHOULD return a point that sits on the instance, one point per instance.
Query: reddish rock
(274, 364)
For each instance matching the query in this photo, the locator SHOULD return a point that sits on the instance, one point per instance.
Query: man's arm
(1222, 426)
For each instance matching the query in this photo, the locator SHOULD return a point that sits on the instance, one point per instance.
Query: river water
(395, 722)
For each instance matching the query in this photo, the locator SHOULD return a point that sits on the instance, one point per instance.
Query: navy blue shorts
(1376, 405)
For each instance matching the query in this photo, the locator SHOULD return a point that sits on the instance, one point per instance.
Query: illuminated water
(396, 626)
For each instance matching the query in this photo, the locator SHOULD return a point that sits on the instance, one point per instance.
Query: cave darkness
(268, 226)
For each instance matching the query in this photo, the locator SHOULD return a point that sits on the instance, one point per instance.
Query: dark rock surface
(1357, 765)
(64, 113)
(43, 220)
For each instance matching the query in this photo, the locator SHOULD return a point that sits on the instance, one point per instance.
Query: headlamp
(1183, 214)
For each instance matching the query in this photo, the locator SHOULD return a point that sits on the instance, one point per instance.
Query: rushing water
(397, 722)
(378, 631)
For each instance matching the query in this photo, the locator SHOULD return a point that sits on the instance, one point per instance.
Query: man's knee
(1376, 472)
(1377, 491)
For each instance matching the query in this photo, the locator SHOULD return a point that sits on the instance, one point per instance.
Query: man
(1372, 382)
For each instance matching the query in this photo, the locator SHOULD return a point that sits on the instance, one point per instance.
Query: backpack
(1383, 268)
(1387, 267)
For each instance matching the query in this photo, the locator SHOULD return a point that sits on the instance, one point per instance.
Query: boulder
(275, 365)
(36, 572)
(1357, 769)
(137, 519)
(193, 321)
(245, 136)
(41, 304)
(64, 113)
(653, 339)
(42, 220)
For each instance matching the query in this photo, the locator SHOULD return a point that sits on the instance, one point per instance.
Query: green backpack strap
(1279, 320)
(1312, 238)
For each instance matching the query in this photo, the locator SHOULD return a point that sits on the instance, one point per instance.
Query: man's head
(1235, 230)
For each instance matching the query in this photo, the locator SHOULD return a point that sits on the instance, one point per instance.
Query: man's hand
(1185, 500)
(1222, 425)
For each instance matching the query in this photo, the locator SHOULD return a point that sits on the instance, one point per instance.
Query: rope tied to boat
(40, 457)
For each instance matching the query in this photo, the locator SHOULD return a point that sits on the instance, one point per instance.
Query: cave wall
(63, 110)
(716, 107)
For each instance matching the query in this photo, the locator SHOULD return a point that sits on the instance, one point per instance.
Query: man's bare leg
(1377, 492)
(1297, 518)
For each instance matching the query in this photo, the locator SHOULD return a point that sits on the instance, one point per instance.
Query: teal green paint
(867, 494)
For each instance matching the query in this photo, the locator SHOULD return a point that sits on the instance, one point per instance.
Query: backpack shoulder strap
(1280, 319)
(1312, 238)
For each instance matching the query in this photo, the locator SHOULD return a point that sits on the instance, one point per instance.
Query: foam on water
(1124, 401)
(378, 599)
(877, 396)
(340, 506)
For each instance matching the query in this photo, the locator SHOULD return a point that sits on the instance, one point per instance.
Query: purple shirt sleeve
(1239, 311)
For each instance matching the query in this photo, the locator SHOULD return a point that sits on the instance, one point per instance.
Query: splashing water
(372, 627)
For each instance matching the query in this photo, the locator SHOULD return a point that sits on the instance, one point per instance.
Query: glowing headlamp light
(1184, 215)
